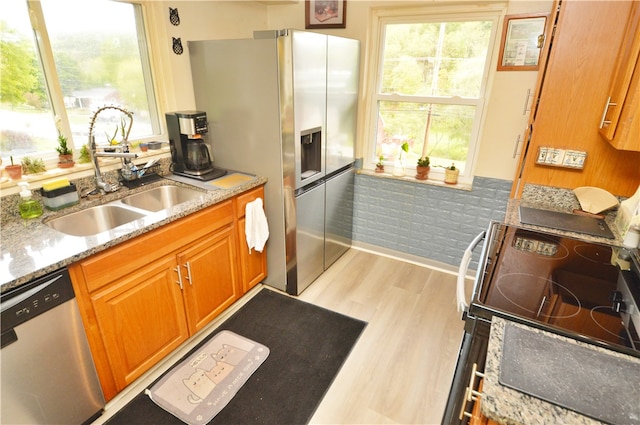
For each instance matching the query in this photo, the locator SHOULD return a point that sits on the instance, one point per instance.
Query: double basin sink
(101, 218)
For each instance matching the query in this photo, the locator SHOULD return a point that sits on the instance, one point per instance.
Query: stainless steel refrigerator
(283, 105)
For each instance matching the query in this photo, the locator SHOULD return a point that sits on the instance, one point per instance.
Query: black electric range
(582, 290)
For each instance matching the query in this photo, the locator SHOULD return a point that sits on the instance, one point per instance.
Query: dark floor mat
(310, 341)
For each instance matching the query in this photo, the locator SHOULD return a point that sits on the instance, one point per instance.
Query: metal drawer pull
(603, 121)
(470, 394)
(179, 282)
(188, 267)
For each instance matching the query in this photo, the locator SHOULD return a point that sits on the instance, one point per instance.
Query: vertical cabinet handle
(179, 282)
(526, 103)
(544, 300)
(515, 148)
(604, 120)
(188, 267)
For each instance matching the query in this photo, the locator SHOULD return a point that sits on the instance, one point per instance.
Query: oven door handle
(462, 272)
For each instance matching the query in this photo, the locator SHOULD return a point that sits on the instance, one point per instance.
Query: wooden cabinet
(253, 265)
(621, 118)
(141, 320)
(208, 277)
(143, 298)
(571, 93)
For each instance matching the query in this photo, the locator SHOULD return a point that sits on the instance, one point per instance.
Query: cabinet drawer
(245, 198)
(127, 257)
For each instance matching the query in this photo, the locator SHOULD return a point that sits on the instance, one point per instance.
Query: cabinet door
(209, 277)
(253, 265)
(620, 122)
(141, 319)
(572, 95)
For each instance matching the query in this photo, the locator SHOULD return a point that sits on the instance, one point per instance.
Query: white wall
(220, 19)
(199, 20)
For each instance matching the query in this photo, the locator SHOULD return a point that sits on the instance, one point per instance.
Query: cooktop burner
(511, 285)
(594, 253)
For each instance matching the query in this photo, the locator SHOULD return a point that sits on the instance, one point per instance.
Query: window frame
(383, 16)
(54, 90)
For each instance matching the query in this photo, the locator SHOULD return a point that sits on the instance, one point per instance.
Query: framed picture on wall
(325, 14)
(523, 38)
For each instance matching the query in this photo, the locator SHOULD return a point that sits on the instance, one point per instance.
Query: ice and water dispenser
(310, 152)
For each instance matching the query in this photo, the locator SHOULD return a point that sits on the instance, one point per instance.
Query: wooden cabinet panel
(571, 97)
(209, 277)
(130, 256)
(621, 120)
(134, 309)
(253, 265)
(141, 320)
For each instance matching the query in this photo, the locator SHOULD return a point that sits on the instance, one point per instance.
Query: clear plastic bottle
(29, 207)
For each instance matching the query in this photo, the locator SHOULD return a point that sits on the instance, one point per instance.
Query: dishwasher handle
(461, 301)
(34, 298)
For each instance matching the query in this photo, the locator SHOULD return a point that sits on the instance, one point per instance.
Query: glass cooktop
(561, 284)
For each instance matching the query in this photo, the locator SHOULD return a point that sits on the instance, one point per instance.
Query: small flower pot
(422, 173)
(451, 176)
(65, 161)
(14, 171)
(380, 169)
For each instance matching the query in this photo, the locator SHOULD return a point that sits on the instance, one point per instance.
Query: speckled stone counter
(31, 249)
(511, 407)
(556, 199)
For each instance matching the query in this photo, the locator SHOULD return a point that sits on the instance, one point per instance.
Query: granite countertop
(508, 406)
(561, 200)
(31, 249)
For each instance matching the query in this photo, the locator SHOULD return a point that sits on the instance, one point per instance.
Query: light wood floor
(401, 368)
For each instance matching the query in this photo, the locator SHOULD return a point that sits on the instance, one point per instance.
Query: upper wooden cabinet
(621, 118)
(573, 87)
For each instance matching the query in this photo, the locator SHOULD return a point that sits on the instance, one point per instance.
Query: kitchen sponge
(55, 184)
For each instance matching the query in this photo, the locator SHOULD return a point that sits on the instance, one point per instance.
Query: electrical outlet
(574, 159)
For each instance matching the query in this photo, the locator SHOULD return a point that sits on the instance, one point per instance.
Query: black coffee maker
(189, 152)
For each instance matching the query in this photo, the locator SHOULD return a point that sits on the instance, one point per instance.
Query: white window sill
(10, 187)
(411, 179)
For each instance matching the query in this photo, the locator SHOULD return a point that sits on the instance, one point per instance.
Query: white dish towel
(256, 227)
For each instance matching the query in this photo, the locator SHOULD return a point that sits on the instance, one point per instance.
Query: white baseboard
(409, 258)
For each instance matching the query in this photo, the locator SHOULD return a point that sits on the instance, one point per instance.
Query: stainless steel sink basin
(160, 198)
(94, 220)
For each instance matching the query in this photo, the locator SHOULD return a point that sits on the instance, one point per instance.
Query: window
(430, 87)
(59, 67)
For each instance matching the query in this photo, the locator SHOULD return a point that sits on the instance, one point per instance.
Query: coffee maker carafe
(189, 152)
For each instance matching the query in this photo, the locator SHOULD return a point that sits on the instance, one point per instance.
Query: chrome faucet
(102, 185)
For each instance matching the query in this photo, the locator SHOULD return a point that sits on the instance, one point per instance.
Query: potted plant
(33, 166)
(65, 155)
(423, 167)
(14, 171)
(451, 174)
(398, 166)
(380, 165)
(84, 155)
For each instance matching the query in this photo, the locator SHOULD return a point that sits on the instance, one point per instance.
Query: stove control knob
(617, 304)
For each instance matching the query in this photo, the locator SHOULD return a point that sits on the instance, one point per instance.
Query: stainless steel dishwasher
(47, 373)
